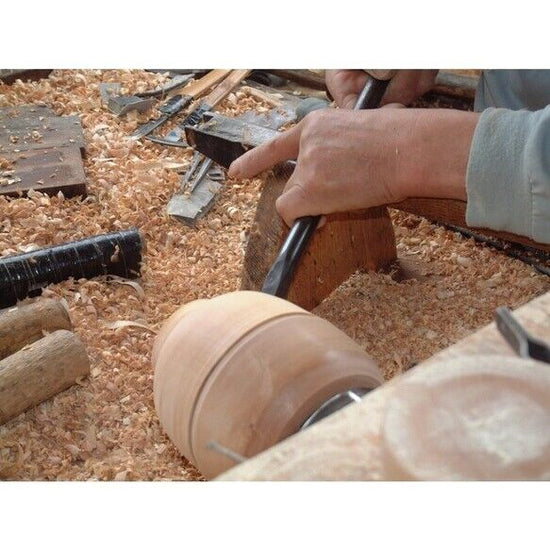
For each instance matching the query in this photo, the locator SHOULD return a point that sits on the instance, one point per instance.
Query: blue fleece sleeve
(508, 176)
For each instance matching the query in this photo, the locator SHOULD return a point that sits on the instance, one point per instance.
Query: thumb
(293, 204)
(266, 155)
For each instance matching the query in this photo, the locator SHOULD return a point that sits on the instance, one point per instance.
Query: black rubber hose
(118, 253)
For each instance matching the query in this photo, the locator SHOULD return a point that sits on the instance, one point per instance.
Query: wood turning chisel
(279, 277)
(176, 138)
(180, 101)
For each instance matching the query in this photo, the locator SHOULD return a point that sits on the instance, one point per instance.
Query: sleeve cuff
(508, 175)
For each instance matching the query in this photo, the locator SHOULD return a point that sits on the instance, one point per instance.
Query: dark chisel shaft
(279, 277)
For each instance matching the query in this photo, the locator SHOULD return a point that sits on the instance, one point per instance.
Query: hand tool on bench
(180, 101)
(281, 273)
(522, 342)
(222, 90)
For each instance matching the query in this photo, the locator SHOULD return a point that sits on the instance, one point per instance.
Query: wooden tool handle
(39, 371)
(225, 87)
(23, 325)
(197, 88)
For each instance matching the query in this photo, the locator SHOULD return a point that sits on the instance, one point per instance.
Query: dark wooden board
(16, 133)
(9, 76)
(453, 212)
(48, 170)
(43, 152)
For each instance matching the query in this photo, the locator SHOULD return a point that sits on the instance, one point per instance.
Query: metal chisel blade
(173, 106)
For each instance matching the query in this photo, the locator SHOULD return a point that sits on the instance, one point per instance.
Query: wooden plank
(348, 242)
(39, 150)
(30, 132)
(9, 76)
(305, 78)
(347, 444)
(453, 212)
(47, 170)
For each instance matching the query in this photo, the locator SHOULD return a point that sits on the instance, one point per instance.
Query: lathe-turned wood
(27, 323)
(349, 444)
(244, 371)
(476, 418)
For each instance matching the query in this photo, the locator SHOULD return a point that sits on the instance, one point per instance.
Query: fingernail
(234, 170)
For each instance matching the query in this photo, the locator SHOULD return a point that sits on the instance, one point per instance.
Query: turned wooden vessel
(244, 371)
(483, 417)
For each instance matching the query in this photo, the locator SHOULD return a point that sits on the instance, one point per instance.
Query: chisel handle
(279, 277)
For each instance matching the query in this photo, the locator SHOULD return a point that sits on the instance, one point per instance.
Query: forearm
(433, 158)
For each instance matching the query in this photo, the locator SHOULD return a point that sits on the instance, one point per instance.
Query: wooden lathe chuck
(245, 370)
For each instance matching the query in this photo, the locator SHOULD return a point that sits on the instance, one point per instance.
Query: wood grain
(347, 445)
(27, 323)
(453, 212)
(198, 87)
(43, 152)
(348, 242)
(39, 371)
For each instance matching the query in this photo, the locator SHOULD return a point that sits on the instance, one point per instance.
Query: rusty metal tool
(279, 277)
(176, 138)
(521, 341)
(178, 102)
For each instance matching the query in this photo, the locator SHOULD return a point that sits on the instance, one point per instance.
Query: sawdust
(105, 427)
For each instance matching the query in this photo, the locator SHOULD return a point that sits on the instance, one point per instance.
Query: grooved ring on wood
(245, 370)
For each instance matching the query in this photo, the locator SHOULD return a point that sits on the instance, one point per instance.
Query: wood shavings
(86, 432)
(123, 323)
(134, 284)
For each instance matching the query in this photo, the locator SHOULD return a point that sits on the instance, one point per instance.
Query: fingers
(278, 149)
(298, 200)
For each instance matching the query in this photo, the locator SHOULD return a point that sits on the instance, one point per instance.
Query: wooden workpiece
(353, 443)
(107, 428)
(27, 323)
(239, 390)
(366, 237)
(39, 371)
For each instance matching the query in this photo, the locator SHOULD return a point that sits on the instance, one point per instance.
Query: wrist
(435, 146)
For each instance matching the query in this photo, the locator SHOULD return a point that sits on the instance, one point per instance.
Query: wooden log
(40, 371)
(27, 323)
(348, 444)
(349, 241)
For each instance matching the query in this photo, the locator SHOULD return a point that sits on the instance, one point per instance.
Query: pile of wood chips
(106, 427)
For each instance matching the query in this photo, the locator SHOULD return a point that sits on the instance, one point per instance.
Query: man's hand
(348, 160)
(406, 86)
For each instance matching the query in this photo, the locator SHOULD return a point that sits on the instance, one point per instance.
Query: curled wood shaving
(123, 323)
(134, 284)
